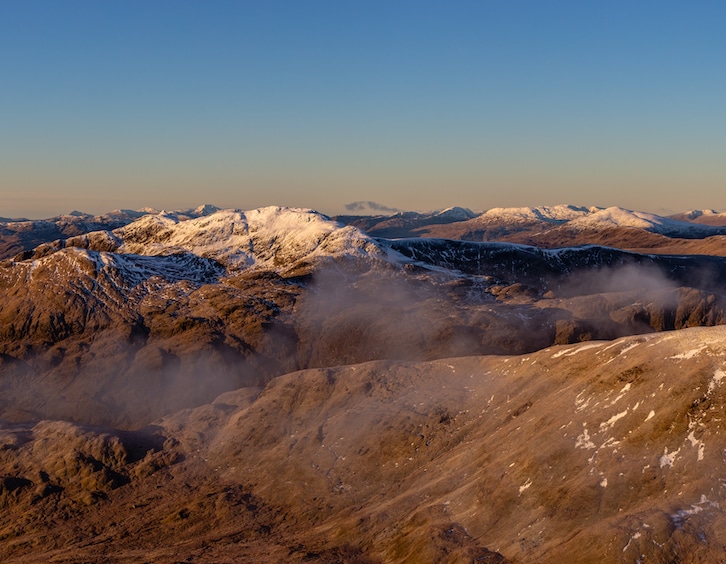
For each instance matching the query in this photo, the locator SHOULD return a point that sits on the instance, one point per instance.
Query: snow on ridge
(593, 218)
(551, 214)
(268, 237)
(456, 212)
(621, 217)
(122, 271)
(205, 209)
(695, 214)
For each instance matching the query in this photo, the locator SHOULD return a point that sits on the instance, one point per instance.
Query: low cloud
(369, 206)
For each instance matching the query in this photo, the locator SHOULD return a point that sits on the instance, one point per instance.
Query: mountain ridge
(600, 451)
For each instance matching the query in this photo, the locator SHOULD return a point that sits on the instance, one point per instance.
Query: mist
(363, 206)
(642, 278)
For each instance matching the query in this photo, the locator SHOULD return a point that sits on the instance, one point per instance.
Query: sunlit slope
(596, 452)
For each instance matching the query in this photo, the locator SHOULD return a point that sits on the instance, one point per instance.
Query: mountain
(562, 226)
(196, 306)
(18, 236)
(547, 214)
(94, 315)
(550, 269)
(620, 217)
(595, 452)
(705, 217)
(406, 224)
(274, 385)
(272, 238)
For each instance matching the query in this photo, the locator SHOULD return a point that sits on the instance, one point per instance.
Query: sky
(414, 105)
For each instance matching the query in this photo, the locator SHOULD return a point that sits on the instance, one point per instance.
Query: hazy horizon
(418, 106)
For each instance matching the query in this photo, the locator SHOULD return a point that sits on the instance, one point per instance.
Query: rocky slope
(595, 452)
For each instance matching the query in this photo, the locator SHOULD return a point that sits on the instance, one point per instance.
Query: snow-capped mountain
(217, 243)
(558, 226)
(455, 213)
(18, 236)
(549, 214)
(239, 279)
(271, 238)
(705, 217)
(615, 217)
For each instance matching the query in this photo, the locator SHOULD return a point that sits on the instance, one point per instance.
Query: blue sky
(413, 104)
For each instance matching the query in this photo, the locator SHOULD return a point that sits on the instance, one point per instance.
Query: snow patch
(682, 515)
(636, 536)
(622, 392)
(583, 440)
(581, 403)
(715, 382)
(668, 458)
(610, 422)
(629, 348)
(689, 354)
(562, 352)
(697, 442)
(526, 485)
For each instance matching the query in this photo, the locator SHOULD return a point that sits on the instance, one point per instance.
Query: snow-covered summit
(205, 209)
(704, 217)
(548, 214)
(273, 237)
(455, 213)
(694, 214)
(620, 217)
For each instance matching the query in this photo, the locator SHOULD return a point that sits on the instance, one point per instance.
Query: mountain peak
(206, 209)
(273, 236)
(457, 213)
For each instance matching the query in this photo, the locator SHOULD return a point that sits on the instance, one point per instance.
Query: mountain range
(526, 385)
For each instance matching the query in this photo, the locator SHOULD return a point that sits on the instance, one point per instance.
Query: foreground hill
(595, 452)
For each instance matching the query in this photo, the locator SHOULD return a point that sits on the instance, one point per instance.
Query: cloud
(369, 206)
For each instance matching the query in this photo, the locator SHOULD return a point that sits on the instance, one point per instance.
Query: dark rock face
(564, 269)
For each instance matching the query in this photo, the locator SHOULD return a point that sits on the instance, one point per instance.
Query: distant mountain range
(551, 226)
(543, 226)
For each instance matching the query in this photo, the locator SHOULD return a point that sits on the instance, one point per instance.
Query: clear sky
(413, 104)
